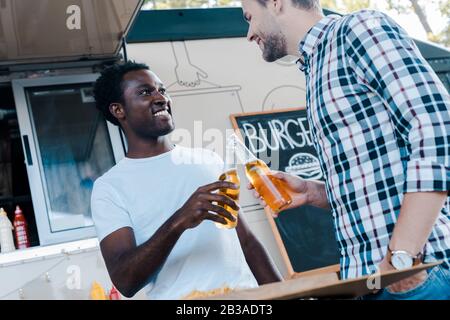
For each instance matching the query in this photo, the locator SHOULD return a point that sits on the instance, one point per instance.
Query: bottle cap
(18, 210)
(3, 212)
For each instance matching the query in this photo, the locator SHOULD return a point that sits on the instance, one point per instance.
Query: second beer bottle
(229, 174)
(272, 190)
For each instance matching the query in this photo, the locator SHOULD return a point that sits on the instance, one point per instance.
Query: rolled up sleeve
(391, 65)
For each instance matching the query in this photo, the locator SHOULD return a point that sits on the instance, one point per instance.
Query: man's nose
(250, 35)
(161, 99)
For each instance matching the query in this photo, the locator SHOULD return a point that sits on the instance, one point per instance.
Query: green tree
(444, 36)
(417, 6)
(343, 6)
(346, 5)
(402, 7)
(173, 4)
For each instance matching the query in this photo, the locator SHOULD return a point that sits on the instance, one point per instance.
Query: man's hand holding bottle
(302, 192)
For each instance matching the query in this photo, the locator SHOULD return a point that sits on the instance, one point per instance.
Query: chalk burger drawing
(304, 165)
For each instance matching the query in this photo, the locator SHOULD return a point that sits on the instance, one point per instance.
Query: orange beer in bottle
(271, 189)
(230, 175)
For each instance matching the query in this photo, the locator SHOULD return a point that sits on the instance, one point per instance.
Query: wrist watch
(401, 259)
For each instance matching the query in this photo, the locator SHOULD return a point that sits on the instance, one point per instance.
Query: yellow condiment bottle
(97, 292)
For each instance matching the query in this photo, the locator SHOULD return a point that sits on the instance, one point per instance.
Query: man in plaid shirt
(380, 119)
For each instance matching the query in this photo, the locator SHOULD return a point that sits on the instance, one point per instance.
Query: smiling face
(147, 107)
(264, 30)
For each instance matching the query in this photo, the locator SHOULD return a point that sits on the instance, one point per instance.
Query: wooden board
(321, 286)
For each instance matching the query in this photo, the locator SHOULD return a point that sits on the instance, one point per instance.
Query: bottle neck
(242, 154)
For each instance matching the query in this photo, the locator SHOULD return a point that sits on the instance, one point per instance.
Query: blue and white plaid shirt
(380, 118)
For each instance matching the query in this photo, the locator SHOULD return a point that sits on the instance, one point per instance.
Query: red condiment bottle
(114, 294)
(21, 230)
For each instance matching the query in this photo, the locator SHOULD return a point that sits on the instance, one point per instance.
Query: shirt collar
(313, 37)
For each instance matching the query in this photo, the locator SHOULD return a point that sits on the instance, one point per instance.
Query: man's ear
(117, 111)
(277, 5)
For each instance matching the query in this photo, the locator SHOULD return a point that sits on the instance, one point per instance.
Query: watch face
(401, 261)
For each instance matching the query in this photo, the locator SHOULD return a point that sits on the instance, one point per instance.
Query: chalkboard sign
(283, 140)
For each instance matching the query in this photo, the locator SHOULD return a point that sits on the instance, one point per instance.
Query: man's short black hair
(108, 87)
(304, 4)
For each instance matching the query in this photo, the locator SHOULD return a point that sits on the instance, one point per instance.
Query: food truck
(54, 143)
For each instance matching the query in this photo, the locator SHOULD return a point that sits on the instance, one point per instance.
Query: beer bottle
(271, 189)
(229, 174)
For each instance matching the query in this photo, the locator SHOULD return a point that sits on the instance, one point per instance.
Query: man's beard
(274, 47)
(163, 131)
(145, 132)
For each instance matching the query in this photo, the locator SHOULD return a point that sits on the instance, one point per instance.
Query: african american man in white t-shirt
(154, 210)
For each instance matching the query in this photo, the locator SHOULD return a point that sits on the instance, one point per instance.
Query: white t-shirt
(144, 193)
